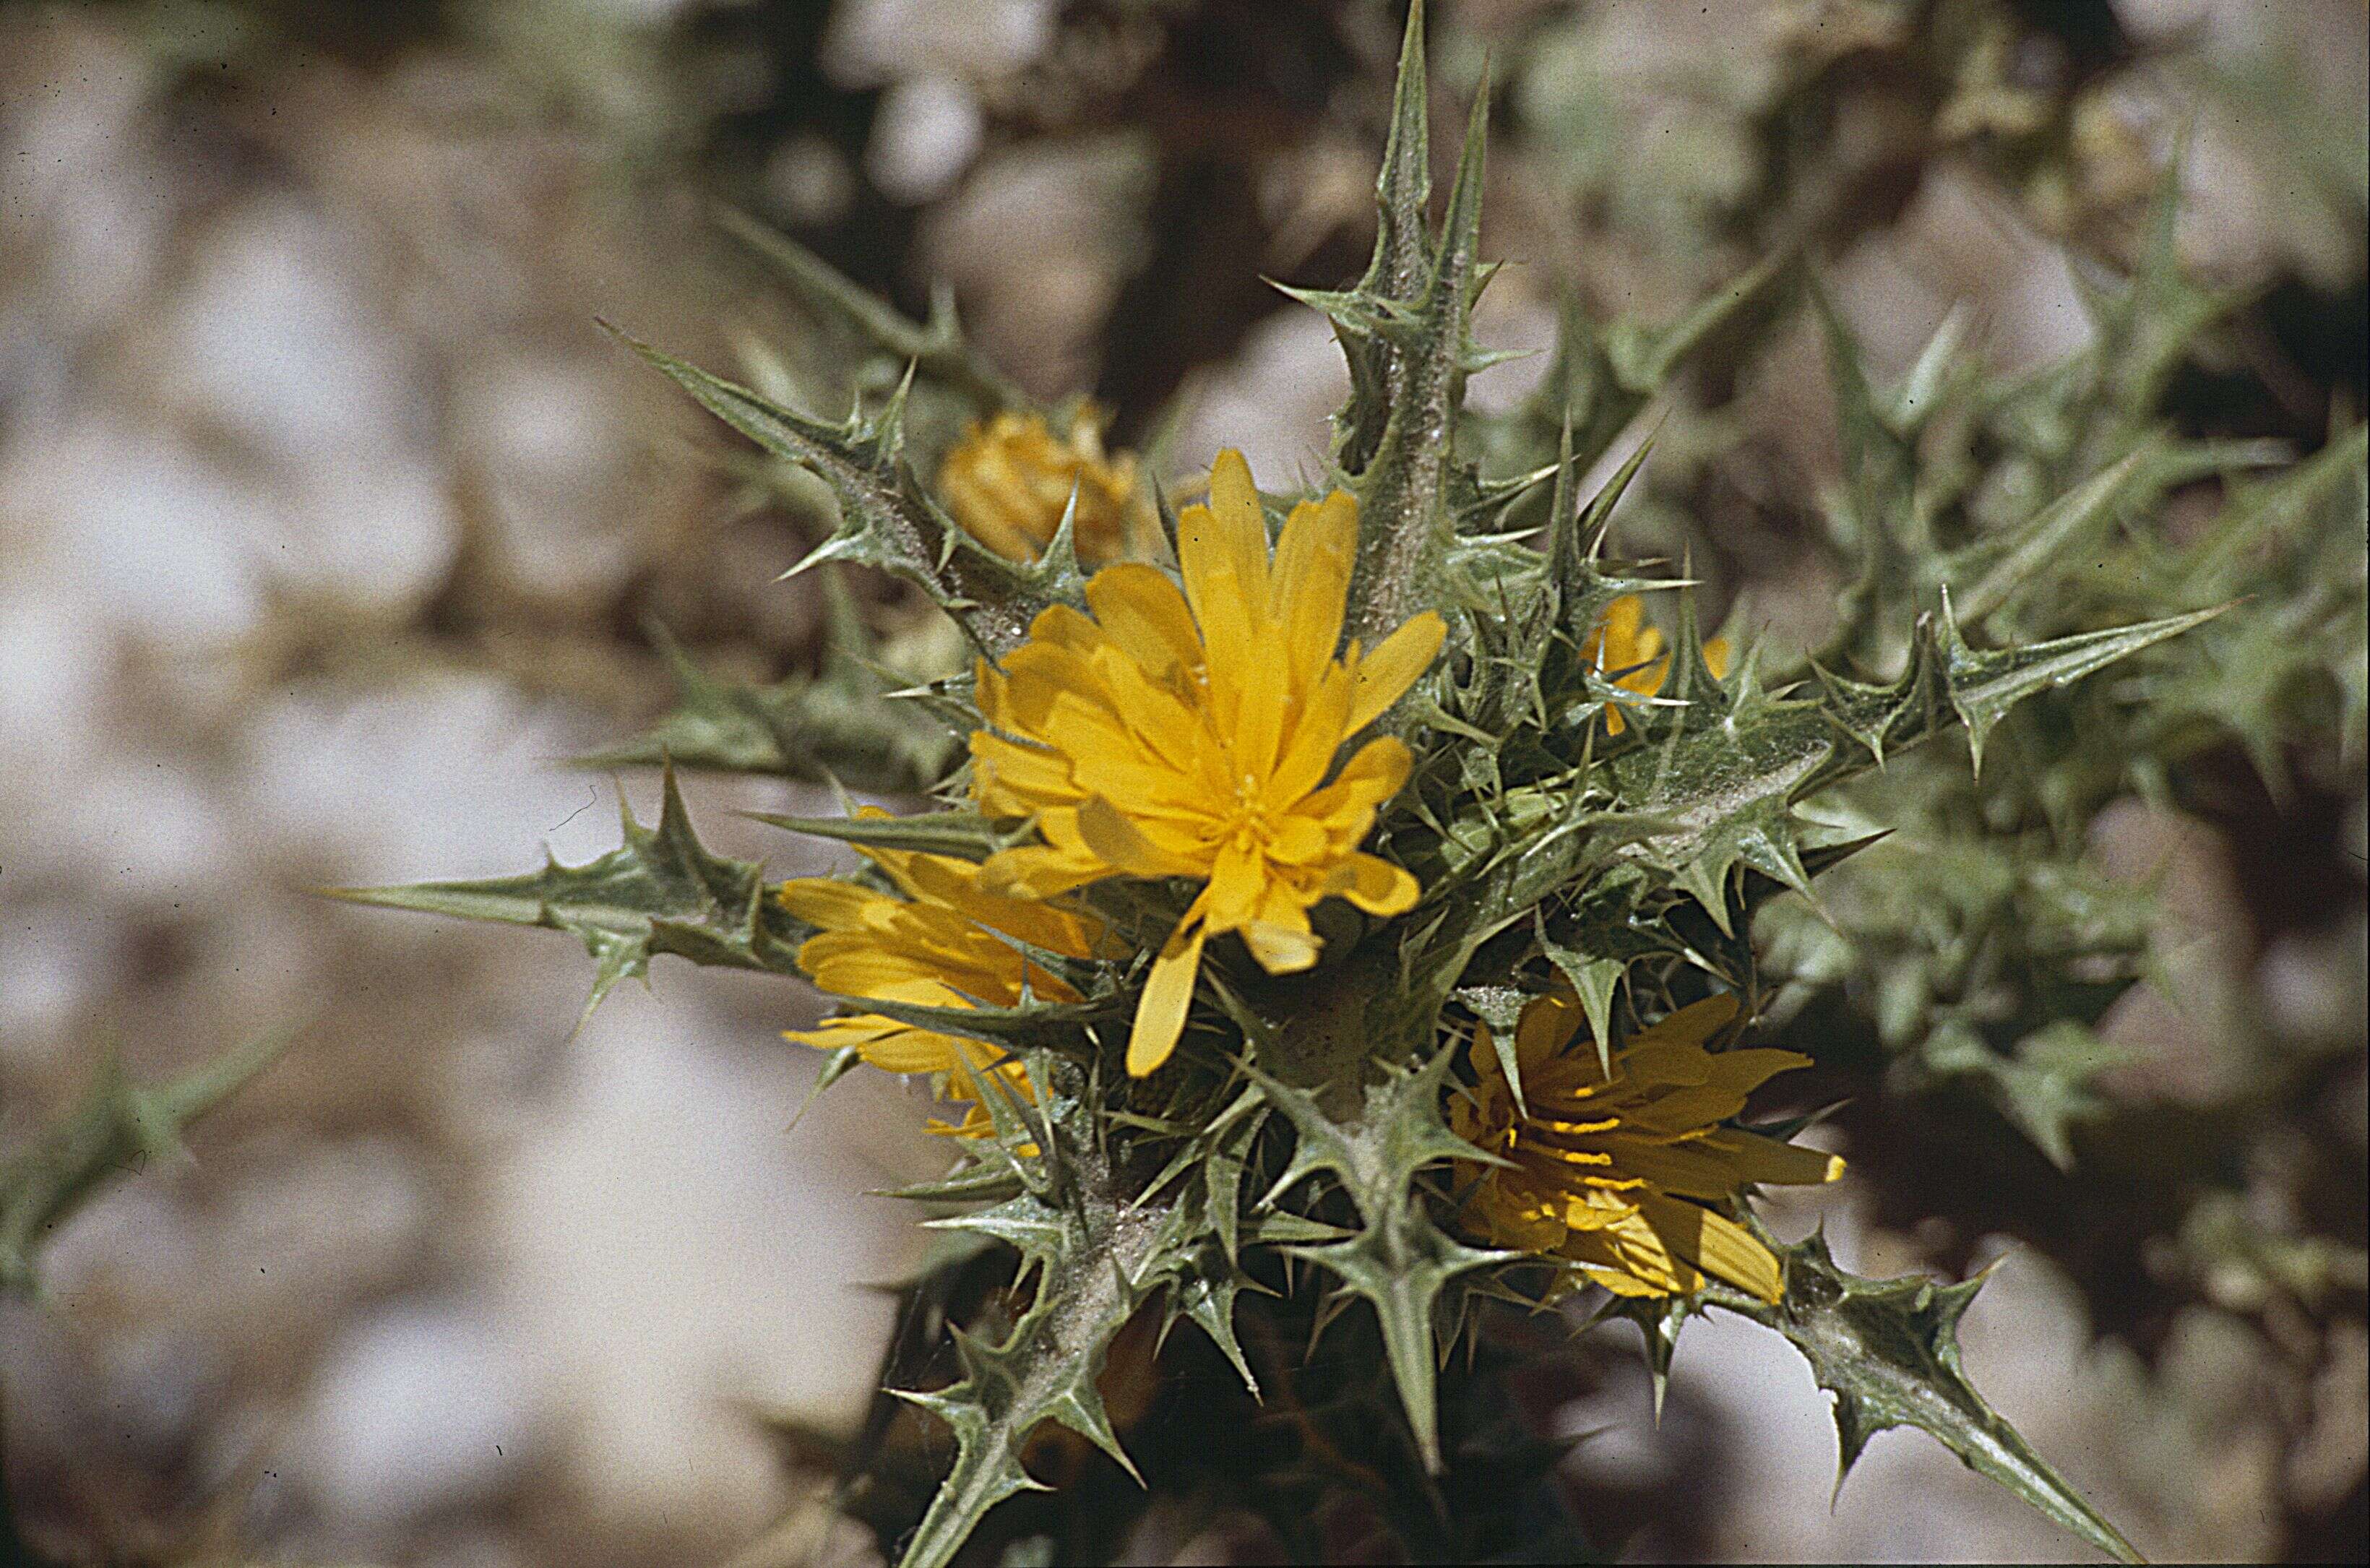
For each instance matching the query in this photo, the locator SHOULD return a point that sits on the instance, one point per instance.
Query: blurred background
(331, 527)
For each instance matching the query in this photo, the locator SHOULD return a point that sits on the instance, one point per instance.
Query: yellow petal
(991, 693)
(1684, 1170)
(1546, 1025)
(1765, 1161)
(1315, 735)
(1371, 777)
(1146, 617)
(1066, 626)
(1744, 1071)
(1281, 950)
(1265, 684)
(1160, 1015)
(1715, 1244)
(1615, 646)
(1374, 885)
(1309, 585)
(826, 902)
(1715, 655)
(1621, 1282)
(1238, 883)
(1110, 834)
(1630, 1249)
(1242, 523)
(859, 1031)
(1387, 673)
(1648, 1062)
(1221, 548)
(1695, 1023)
(1300, 841)
(913, 1051)
(1011, 780)
(1042, 870)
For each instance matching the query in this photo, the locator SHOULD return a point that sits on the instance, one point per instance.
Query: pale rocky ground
(450, 1287)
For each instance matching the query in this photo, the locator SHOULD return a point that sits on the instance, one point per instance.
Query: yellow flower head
(1191, 735)
(1623, 640)
(1615, 1175)
(947, 943)
(1008, 481)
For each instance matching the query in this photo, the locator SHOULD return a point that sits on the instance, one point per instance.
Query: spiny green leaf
(117, 1128)
(1658, 1320)
(1642, 358)
(1730, 786)
(937, 349)
(1888, 1351)
(837, 1065)
(1983, 686)
(1406, 527)
(1595, 978)
(1062, 1025)
(887, 521)
(976, 1181)
(661, 892)
(1098, 1259)
(1207, 1296)
(964, 835)
(2044, 1087)
(1399, 1264)
(1399, 1260)
(1602, 377)
(837, 725)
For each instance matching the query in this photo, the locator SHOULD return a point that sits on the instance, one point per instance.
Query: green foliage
(661, 891)
(1094, 1258)
(1981, 944)
(1888, 1351)
(117, 1128)
(1398, 1261)
(888, 521)
(840, 724)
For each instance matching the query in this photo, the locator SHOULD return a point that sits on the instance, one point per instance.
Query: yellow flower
(1007, 483)
(947, 943)
(1617, 1176)
(1623, 640)
(1189, 735)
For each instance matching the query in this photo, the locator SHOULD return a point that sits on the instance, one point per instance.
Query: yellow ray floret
(1623, 641)
(1008, 481)
(1618, 1176)
(947, 943)
(1193, 735)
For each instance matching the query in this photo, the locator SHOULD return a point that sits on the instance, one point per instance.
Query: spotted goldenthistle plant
(1339, 916)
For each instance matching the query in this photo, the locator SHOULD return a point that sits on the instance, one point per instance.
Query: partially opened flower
(1008, 481)
(947, 943)
(1623, 1177)
(1623, 641)
(1192, 735)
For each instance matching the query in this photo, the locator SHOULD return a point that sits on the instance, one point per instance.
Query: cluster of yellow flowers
(1008, 481)
(1192, 733)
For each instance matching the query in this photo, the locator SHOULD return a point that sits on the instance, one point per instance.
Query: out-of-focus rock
(417, 1408)
(674, 1262)
(1272, 402)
